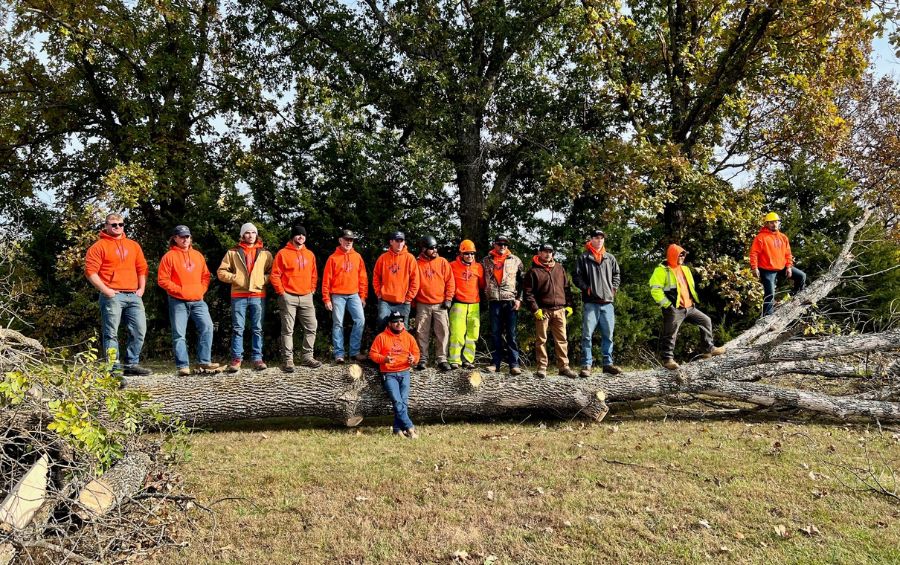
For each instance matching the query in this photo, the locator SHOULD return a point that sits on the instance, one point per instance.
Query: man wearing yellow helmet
(770, 256)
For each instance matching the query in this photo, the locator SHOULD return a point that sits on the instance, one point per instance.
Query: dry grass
(629, 490)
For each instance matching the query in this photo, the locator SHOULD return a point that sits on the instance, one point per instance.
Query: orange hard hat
(466, 245)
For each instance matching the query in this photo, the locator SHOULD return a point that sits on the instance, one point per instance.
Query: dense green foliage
(538, 119)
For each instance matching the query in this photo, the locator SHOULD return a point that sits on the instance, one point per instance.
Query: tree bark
(122, 481)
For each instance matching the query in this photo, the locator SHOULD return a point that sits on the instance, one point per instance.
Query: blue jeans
(397, 387)
(767, 278)
(130, 307)
(604, 316)
(385, 309)
(352, 303)
(241, 309)
(503, 332)
(179, 313)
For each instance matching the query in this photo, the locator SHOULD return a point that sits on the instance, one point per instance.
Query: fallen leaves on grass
(704, 524)
(811, 530)
(781, 531)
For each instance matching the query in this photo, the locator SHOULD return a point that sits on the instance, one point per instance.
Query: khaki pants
(432, 317)
(556, 321)
(291, 307)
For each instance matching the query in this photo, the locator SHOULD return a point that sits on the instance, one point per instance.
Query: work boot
(585, 372)
(492, 369)
(338, 360)
(670, 364)
(567, 372)
(515, 370)
(715, 351)
(137, 370)
(611, 370)
(454, 366)
(361, 357)
(234, 366)
(184, 372)
(541, 374)
(288, 366)
(421, 366)
(311, 363)
(208, 366)
(260, 365)
(467, 365)
(444, 366)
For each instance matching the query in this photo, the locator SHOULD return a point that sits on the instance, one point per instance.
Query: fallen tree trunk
(121, 482)
(348, 394)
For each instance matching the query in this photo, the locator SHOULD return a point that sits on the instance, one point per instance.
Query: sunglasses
(431, 248)
(398, 239)
(501, 244)
(183, 236)
(469, 253)
(116, 224)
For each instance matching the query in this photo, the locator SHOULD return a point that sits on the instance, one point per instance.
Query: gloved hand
(447, 304)
(568, 311)
(539, 314)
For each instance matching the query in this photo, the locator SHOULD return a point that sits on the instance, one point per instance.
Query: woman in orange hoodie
(184, 276)
(396, 351)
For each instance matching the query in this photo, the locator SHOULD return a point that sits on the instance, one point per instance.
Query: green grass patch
(631, 490)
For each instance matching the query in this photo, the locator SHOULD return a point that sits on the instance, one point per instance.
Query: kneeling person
(183, 274)
(672, 287)
(396, 351)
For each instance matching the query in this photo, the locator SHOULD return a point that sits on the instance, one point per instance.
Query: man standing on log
(395, 280)
(465, 313)
(436, 289)
(396, 351)
(184, 276)
(116, 267)
(246, 268)
(503, 275)
(672, 287)
(770, 256)
(345, 285)
(294, 278)
(548, 296)
(597, 275)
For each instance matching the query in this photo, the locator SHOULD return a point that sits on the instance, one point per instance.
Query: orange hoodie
(436, 282)
(684, 294)
(396, 277)
(294, 271)
(344, 273)
(469, 281)
(398, 346)
(770, 251)
(183, 274)
(118, 260)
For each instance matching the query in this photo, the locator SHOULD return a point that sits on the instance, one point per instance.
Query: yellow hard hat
(771, 217)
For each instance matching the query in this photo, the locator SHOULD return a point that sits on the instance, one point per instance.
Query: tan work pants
(432, 317)
(556, 321)
(291, 307)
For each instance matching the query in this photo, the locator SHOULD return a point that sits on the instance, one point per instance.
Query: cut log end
(598, 409)
(353, 421)
(123, 480)
(354, 372)
(474, 380)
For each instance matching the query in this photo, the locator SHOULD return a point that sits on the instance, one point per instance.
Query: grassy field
(633, 489)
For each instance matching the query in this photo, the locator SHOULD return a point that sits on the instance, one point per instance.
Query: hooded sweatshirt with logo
(294, 270)
(118, 261)
(770, 250)
(672, 284)
(469, 279)
(546, 286)
(246, 268)
(183, 273)
(436, 281)
(396, 276)
(344, 273)
(398, 346)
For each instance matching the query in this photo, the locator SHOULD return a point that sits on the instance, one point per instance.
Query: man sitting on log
(436, 290)
(548, 296)
(672, 287)
(184, 276)
(770, 256)
(396, 351)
